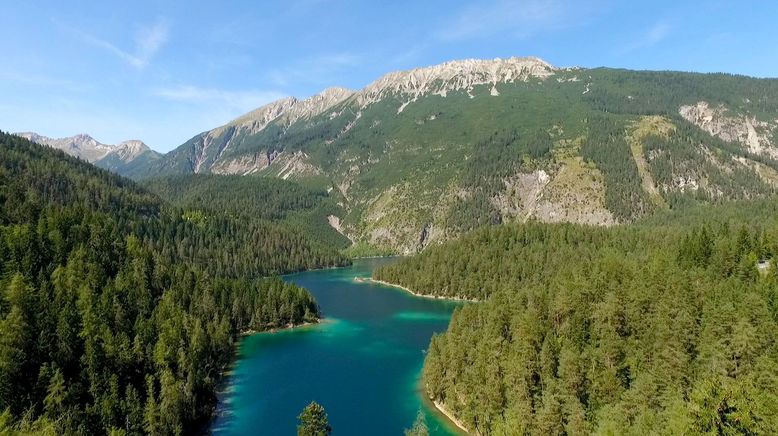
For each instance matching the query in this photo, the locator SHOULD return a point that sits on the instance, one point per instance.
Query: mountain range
(420, 156)
(126, 158)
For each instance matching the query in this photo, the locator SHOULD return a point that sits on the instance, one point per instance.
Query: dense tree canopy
(117, 312)
(646, 329)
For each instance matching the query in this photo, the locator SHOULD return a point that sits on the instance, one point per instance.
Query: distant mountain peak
(88, 148)
(257, 119)
(291, 109)
(81, 145)
(131, 149)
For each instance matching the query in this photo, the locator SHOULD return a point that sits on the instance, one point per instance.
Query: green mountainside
(295, 207)
(420, 156)
(118, 311)
(133, 167)
(667, 326)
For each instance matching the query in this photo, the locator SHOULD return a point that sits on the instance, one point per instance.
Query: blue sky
(162, 71)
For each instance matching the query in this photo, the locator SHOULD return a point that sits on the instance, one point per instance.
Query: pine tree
(313, 421)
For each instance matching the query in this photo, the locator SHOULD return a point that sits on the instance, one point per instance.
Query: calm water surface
(362, 364)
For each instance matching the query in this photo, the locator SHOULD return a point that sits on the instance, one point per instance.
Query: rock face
(210, 150)
(462, 75)
(130, 150)
(746, 130)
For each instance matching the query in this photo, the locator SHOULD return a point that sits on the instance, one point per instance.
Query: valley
(362, 363)
(581, 251)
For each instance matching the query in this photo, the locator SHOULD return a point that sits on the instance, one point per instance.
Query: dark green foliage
(116, 313)
(253, 201)
(663, 92)
(135, 168)
(606, 146)
(682, 156)
(645, 329)
(266, 198)
(492, 161)
(313, 421)
(32, 178)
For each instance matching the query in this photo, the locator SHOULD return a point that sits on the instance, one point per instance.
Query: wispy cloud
(39, 80)
(652, 36)
(515, 18)
(317, 69)
(148, 41)
(235, 100)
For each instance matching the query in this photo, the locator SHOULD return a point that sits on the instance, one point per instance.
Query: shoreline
(224, 384)
(394, 285)
(250, 332)
(442, 409)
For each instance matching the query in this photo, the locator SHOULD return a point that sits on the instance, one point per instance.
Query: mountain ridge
(419, 156)
(126, 157)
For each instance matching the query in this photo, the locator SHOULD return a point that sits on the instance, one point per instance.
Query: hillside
(663, 327)
(308, 211)
(420, 156)
(119, 312)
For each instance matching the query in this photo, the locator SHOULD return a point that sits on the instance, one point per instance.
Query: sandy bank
(436, 297)
(278, 329)
(442, 409)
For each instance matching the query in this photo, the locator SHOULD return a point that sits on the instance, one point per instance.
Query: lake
(362, 363)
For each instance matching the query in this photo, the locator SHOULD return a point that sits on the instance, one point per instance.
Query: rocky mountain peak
(257, 119)
(455, 76)
(129, 150)
(81, 145)
(317, 104)
(88, 148)
(290, 108)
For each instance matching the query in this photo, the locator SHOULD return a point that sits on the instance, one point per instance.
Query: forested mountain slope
(118, 312)
(642, 329)
(422, 155)
(297, 208)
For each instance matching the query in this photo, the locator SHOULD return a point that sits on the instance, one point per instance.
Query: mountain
(420, 156)
(82, 146)
(127, 158)
(308, 211)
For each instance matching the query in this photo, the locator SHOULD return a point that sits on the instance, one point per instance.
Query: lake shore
(442, 409)
(290, 326)
(454, 424)
(394, 285)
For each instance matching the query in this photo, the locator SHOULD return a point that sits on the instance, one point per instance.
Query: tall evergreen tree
(313, 421)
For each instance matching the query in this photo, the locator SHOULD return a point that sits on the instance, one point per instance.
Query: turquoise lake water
(362, 363)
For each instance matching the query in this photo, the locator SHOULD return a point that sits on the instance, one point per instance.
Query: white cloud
(652, 36)
(148, 41)
(234, 100)
(317, 69)
(656, 33)
(39, 80)
(515, 18)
